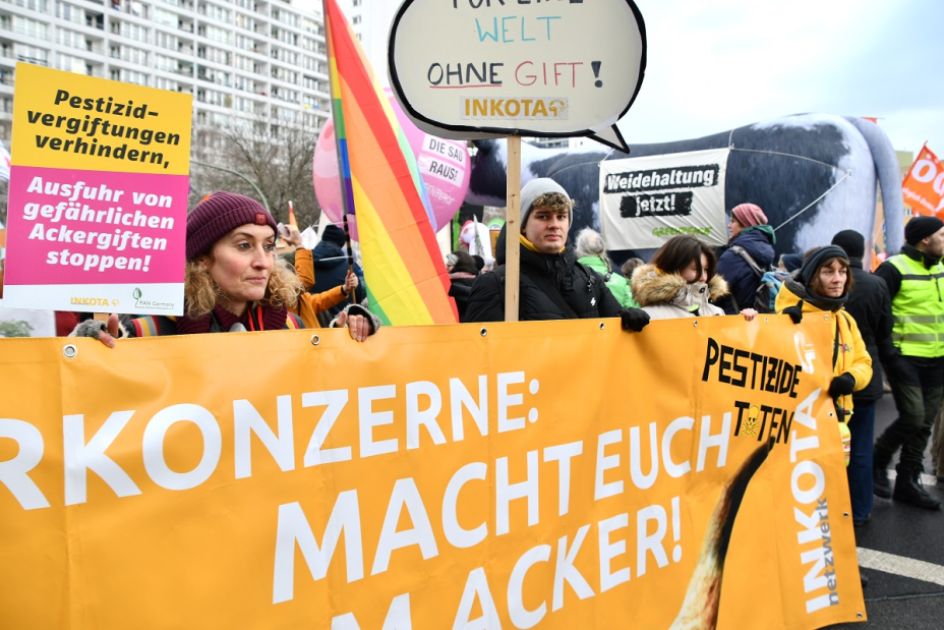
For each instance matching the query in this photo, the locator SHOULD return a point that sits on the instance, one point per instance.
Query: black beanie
(334, 234)
(920, 228)
(816, 258)
(791, 262)
(852, 242)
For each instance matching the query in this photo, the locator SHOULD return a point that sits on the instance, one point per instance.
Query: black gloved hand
(634, 319)
(795, 312)
(901, 371)
(841, 385)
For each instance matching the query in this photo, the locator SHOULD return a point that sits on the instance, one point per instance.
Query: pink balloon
(324, 173)
(443, 165)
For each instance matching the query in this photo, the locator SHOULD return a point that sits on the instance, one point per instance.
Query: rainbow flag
(407, 282)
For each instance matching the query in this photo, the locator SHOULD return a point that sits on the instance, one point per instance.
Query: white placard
(645, 201)
(467, 68)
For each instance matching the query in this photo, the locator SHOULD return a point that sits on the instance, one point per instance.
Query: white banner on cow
(645, 201)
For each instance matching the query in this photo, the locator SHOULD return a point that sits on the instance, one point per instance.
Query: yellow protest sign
(65, 120)
(565, 474)
(98, 195)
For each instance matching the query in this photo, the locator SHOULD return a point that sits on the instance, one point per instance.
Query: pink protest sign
(97, 212)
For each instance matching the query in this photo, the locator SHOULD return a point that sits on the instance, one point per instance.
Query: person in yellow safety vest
(915, 280)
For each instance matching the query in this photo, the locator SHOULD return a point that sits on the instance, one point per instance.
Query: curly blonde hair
(201, 293)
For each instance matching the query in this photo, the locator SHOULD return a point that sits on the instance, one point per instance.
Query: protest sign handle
(512, 229)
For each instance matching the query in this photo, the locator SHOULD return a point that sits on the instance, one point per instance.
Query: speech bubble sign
(486, 68)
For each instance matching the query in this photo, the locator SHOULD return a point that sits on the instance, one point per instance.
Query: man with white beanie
(553, 285)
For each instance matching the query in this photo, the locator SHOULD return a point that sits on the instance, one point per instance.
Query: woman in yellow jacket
(822, 285)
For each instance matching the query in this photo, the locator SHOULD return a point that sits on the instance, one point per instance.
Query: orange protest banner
(923, 186)
(565, 474)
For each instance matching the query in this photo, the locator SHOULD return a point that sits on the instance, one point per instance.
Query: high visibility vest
(918, 308)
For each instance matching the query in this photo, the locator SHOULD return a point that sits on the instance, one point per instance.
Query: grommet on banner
(315, 340)
(483, 331)
(602, 325)
(69, 351)
(695, 323)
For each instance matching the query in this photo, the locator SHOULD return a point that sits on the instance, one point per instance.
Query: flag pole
(512, 228)
(340, 139)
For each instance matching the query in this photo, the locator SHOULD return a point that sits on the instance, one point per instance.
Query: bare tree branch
(279, 163)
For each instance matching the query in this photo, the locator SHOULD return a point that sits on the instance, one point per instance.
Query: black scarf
(821, 302)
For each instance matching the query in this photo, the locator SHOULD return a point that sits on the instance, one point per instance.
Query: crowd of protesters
(892, 318)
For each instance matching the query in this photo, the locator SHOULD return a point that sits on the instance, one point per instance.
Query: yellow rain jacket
(848, 351)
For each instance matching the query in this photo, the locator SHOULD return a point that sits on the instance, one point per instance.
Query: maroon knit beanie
(749, 214)
(217, 215)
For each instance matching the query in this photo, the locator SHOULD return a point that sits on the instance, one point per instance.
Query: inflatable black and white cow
(813, 174)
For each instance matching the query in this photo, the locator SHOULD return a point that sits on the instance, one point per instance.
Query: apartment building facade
(257, 64)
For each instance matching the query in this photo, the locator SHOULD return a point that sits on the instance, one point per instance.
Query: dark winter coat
(460, 289)
(742, 280)
(870, 305)
(330, 263)
(552, 286)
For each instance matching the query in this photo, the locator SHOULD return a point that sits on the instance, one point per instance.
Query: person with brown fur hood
(680, 281)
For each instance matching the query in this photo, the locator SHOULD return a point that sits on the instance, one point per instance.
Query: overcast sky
(717, 64)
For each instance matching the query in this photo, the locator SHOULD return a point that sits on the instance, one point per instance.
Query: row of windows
(69, 13)
(289, 19)
(33, 5)
(129, 54)
(25, 26)
(165, 63)
(70, 63)
(71, 39)
(216, 55)
(216, 34)
(131, 30)
(24, 52)
(164, 17)
(215, 12)
(166, 40)
(129, 76)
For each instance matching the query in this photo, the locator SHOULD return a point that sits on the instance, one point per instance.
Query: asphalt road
(901, 551)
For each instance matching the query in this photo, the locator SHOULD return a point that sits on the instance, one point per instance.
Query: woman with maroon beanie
(234, 281)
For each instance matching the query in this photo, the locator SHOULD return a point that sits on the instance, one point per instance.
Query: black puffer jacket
(553, 286)
(870, 306)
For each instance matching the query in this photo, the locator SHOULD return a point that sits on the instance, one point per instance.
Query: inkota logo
(536, 108)
(88, 301)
